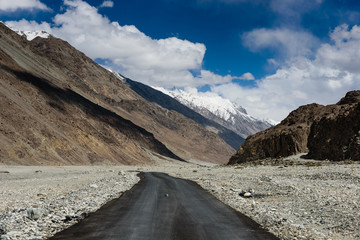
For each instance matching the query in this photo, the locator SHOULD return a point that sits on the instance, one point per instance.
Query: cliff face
(326, 132)
(336, 136)
(287, 138)
(60, 107)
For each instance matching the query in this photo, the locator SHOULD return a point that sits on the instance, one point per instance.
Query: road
(162, 207)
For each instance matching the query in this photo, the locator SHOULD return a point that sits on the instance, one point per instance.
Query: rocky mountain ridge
(166, 101)
(220, 110)
(324, 132)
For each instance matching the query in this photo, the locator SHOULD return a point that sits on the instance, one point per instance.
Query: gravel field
(293, 198)
(36, 202)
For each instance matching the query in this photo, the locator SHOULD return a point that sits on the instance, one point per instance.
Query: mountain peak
(219, 109)
(30, 35)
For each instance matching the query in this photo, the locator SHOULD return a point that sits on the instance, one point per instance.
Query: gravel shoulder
(292, 198)
(58, 196)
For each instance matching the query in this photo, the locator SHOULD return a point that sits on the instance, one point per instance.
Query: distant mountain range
(220, 110)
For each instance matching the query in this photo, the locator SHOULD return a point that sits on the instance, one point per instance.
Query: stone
(247, 194)
(94, 185)
(34, 213)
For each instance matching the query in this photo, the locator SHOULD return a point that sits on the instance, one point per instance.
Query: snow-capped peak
(219, 109)
(30, 35)
(217, 105)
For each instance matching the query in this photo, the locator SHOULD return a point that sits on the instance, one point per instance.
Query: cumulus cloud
(284, 42)
(324, 79)
(159, 62)
(107, 4)
(13, 5)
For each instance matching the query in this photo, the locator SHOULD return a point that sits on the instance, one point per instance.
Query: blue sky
(270, 56)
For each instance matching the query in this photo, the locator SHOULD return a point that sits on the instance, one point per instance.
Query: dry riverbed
(293, 198)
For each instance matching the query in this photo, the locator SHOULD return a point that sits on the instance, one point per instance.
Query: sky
(269, 56)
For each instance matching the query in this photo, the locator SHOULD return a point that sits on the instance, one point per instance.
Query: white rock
(247, 194)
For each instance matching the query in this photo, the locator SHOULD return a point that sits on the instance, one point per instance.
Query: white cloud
(158, 62)
(13, 5)
(29, 25)
(247, 76)
(326, 78)
(293, 8)
(107, 4)
(285, 42)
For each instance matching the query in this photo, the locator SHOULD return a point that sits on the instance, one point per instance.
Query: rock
(337, 136)
(247, 194)
(326, 132)
(69, 218)
(94, 185)
(285, 139)
(166, 195)
(34, 213)
(2, 171)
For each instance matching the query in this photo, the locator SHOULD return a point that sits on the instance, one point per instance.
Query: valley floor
(293, 198)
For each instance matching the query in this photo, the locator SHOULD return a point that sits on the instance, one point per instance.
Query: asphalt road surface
(162, 207)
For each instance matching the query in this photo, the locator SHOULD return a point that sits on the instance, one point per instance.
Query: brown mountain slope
(336, 136)
(329, 132)
(60, 107)
(42, 123)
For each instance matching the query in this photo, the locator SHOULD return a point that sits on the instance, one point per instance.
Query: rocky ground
(37, 202)
(293, 198)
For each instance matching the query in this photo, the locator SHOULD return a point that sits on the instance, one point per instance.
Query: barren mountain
(60, 107)
(170, 103)
(325, 132)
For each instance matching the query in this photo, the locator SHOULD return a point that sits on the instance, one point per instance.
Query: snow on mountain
(221, 110)
(217, 105)
(121, 78)
(30, 35)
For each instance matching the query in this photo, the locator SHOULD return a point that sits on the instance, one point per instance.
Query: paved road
(162, 207)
